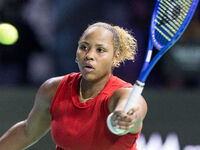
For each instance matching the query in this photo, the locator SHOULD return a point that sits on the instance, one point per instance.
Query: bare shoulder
(48, 89)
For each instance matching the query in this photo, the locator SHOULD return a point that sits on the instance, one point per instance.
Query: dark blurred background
(48, 35)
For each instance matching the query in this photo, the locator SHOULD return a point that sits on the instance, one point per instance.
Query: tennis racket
(169, 20)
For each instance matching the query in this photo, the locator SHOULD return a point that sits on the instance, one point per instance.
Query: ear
(116, 59)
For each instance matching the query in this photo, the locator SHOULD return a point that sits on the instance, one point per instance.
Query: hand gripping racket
(169, 20)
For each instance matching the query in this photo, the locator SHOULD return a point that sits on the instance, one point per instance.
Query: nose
(90, 55)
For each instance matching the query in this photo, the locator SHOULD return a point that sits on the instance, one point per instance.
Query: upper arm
(39, 120)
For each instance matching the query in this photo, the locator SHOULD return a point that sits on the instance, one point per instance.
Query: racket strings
(170, 16)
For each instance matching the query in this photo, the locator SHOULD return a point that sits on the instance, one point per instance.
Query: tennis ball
(8, 34)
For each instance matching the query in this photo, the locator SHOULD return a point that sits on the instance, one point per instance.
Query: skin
(95, 49)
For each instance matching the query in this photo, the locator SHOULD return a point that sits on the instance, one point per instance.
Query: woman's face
(95, 53)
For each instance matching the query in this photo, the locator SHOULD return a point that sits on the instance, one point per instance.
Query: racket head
(169, 20)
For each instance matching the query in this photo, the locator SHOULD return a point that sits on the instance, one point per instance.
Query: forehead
(98, 34)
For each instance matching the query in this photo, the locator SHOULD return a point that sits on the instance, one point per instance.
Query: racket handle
(113, 129)
(134, 95)
(132, 99)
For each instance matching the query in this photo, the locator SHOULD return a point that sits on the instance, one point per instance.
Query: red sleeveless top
(82, 126)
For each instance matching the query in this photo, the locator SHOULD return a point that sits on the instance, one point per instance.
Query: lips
(88, 68)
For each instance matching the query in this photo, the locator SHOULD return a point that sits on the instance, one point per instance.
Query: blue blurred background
(48, 35)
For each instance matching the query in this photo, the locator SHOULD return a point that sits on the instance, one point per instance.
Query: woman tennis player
(75, 106)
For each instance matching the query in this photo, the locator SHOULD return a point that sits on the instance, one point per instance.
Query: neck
(89, 90)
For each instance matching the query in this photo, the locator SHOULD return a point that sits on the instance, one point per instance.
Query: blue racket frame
(148, 65)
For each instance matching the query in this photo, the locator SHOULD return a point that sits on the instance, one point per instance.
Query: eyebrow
(79, 42)
(99, 45)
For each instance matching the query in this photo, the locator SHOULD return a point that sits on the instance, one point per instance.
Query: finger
(126, 123)
(116, 116)
(132, 110)
(126, 118)
(123, 127)
(126, 126)
(123, 117)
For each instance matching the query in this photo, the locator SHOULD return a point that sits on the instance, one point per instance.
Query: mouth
(88, 68)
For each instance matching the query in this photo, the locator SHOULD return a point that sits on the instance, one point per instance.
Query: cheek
(78, 54)
(107, 63)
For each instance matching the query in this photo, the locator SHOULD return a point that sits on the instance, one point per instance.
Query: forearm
(15, 138)
(142, 109)
(139, 115)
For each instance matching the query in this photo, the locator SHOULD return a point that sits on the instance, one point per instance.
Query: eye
(100, 50)
(83, 47)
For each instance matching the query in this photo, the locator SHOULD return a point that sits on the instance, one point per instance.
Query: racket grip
(134, 95)
(114, 129)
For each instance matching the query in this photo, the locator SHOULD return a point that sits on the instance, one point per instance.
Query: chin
(94, 76)
(89, 76)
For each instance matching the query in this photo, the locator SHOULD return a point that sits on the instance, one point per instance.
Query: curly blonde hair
(125, 45)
